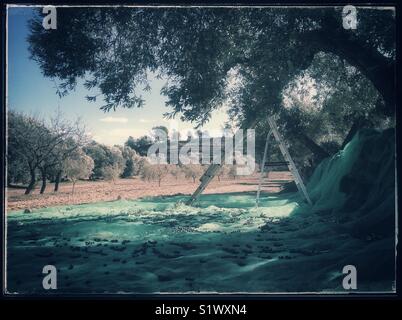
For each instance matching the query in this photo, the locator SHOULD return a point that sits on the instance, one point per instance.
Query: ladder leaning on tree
(288, 162)
(214, 168)
(209, 174)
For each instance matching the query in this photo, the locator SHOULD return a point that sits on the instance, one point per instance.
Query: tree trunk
(43, 187)
(357, 124)
(73, 187)
(56, 183)
(32, 182)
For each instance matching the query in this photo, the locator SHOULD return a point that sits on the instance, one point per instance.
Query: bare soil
(134, 188)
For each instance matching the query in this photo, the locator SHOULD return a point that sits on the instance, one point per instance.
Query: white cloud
(114, 120)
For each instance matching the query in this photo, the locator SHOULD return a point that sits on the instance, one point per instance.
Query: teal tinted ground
(223, 243)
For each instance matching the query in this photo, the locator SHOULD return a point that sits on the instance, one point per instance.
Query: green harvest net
(224, 243)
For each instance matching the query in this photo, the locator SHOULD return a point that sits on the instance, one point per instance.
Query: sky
(30, 92)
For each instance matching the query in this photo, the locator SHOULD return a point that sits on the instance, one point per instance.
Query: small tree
(130, 166)
(128, 169)
(175, 170)
(111, 172)
(116, 159)
(223, 171)
(161, 171)
(147, 172)
(232, 171)
(193, 171)
(104, 157)
(139, 162)
(77, 167)
(154, 172)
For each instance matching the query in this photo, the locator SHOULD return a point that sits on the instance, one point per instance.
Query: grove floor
(135, 188)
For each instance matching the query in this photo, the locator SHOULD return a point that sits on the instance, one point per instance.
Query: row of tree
(60, 149)
(39, 148)
(158, 172)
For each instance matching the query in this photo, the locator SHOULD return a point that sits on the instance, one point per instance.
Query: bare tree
(63, 139)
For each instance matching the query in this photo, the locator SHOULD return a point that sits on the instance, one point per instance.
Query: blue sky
(30, 92)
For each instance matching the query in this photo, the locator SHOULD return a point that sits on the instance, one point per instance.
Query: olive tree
(78, 166)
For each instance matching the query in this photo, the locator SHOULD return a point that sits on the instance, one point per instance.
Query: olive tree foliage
(327, 104)
(232, 171)
(161, 171)
(111, 172)
(130, 158)
(139, 145)
(223, 172)
(147, 172)
(115, 166)
(193, 171)
(107, 159)
(154, 171)
(197, 50)
(337, 95)
(139, 163)
(78, 166)
(176, 171)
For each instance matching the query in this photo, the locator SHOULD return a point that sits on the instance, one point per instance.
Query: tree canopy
(114, 49)
(257, 61)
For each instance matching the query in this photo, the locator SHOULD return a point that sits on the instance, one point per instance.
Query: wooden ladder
(206, 178)
(289, 162)
(209, 174)
(213, 169)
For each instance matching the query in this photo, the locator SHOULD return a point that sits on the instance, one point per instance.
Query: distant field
(134, 188)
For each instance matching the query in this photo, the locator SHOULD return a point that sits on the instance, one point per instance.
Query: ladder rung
(277, 163)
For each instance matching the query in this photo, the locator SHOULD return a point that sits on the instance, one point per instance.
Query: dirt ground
(134, 188)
